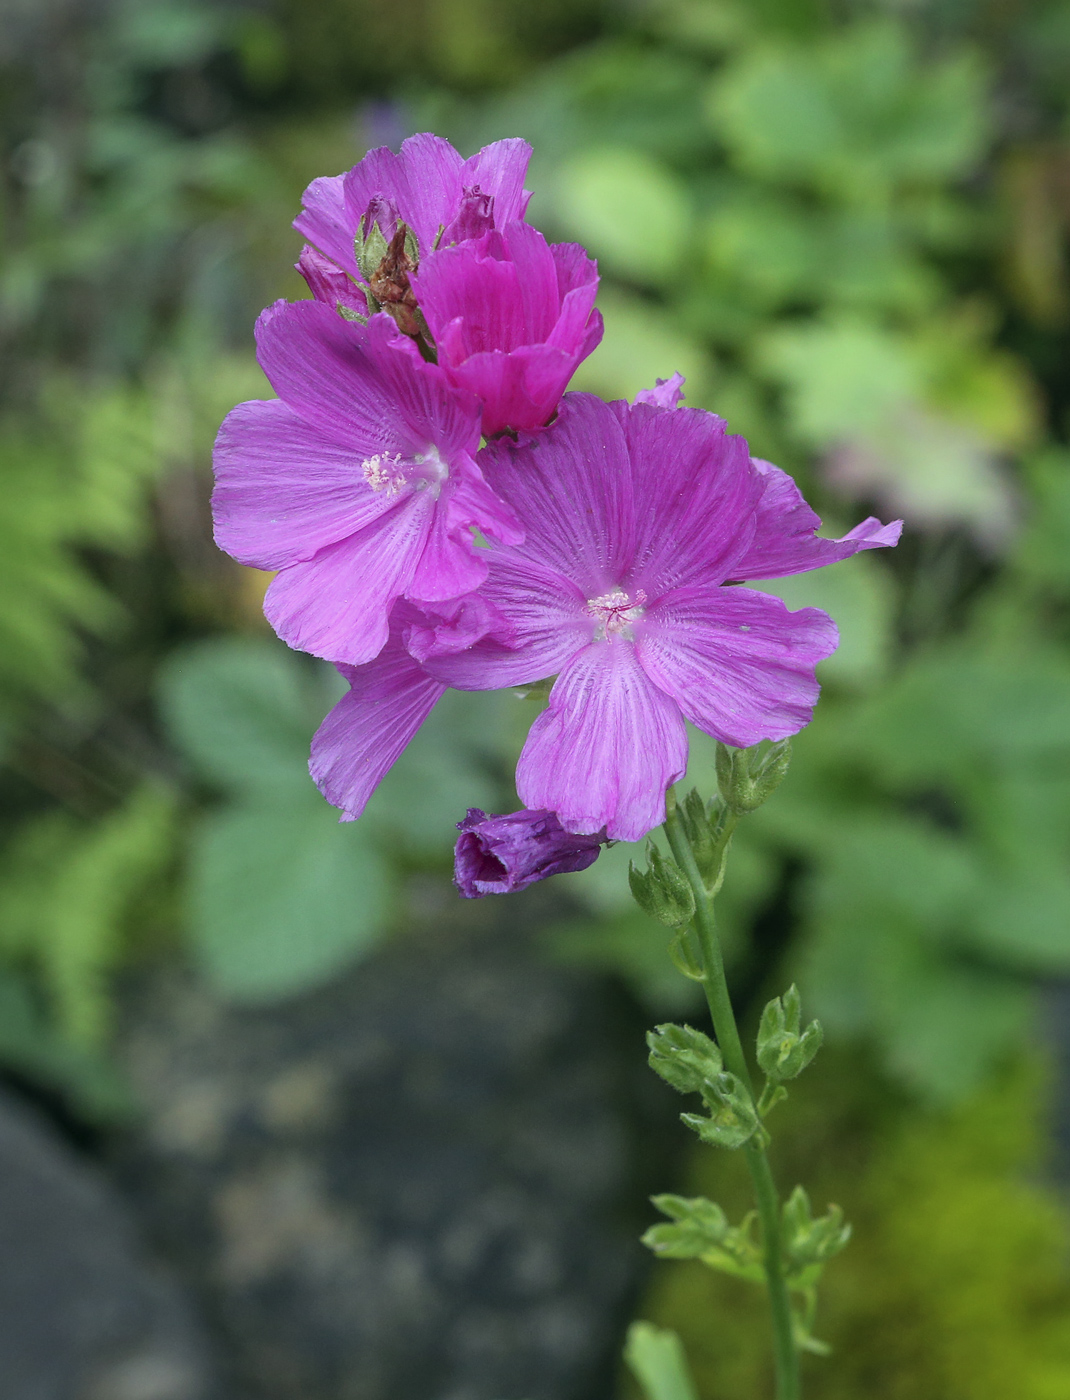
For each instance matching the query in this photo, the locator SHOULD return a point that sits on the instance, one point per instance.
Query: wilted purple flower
(358, 485)
(498, 855)
(329, 284)
(511, 317)
(427, 186)
(636, 519)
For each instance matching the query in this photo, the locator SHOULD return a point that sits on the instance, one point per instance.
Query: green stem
(786, 1356)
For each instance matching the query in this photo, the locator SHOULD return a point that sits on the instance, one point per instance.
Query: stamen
(615, 611)
(382, 473)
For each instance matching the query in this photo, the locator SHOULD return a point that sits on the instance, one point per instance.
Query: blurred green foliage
(847, 225)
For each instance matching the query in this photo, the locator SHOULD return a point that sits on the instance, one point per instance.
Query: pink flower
(511, 318)
(428, 186)
(637, 518)
(499, 855)
(358, 484)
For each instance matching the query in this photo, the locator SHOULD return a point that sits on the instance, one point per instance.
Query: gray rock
(84, 1314)
(422, 1183)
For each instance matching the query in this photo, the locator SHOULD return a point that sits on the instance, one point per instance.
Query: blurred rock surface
(86, 1314)
(424, 1182)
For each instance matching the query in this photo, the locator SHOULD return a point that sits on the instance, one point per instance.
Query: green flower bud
(733, 1116)
(370, 249)
(662, 891)
(684, 1058)
(746, 777)
(811, 1243)
(700, 1226)
(782, 1052)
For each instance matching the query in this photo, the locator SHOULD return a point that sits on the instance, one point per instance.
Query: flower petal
(784, 538)
(609, 745)
(336, 604)
(700, 494)
(326, 222)
(360, 385)
(365, 733)
(283, 490)
(737, 662)
(500, 170)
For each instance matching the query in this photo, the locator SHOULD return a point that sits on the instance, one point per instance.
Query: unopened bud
(684, 1057)
(747, 778)
(662, 890)
(783, 1052)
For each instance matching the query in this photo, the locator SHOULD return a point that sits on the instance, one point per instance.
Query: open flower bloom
(358, 484)
(636, 519)
(499, 855)
(511, 317)
(427, 186)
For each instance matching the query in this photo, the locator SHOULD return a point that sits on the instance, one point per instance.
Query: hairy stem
(786, 1356)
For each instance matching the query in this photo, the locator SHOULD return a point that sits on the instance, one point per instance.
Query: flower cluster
(606, 545)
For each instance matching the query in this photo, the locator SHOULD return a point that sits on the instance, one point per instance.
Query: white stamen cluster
(382, 473)
(615, 611)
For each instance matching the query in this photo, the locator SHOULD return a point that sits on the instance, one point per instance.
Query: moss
(955, 1286)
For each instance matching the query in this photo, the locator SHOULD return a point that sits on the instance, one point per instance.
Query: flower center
(392, 473)
(615, 611)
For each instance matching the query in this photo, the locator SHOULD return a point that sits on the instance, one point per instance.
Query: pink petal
(449, 566)
(328, 283)
(737, 662)
(609, 745)
(698, 496)
(500, 170)
(326, 222)
(572, 488)
(365, 733)
(360, 385)
(667, 394)
(548, 621)
(519, 390)
(336, 604)
(283, 490)
(452, 627)
(784, 539)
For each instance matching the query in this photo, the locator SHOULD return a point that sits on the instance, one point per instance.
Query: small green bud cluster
(808, 1245)
(662, 890)
(700, 1230)
(747, 777)
(783, 1053)
(691, 1063)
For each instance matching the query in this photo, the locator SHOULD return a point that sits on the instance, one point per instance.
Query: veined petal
(701, 490)
(283, 490)
(360, 385)
(520, 389)
(737, 662)
(548, 621)
(326, 222)
(500, 170)
(364, 735)
(572, 488)
(607, 747)
(785, 541)
(337, 604)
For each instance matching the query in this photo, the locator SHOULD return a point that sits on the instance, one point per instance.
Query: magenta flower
(499, 855)
(511, 318)
(428, 186)
(636, 519)
(358, 484)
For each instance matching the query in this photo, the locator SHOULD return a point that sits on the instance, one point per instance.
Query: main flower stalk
(715, 986)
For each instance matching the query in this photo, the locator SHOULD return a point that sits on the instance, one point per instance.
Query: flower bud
(699, 1226)
(747, 778)
(782, 1052)
(684, 1057)
(498, 855)
(733, 1117)
(662, 890)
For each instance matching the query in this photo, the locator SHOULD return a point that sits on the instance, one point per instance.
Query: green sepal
(703, 826)
(810, 1243)
(747, 777)
(684, 1058)
(772, 1094)
(700, 1230)
(662, 890)
(733, 1118)
(348, 314)
(783, 1052)
(370, 250)
(683, 958)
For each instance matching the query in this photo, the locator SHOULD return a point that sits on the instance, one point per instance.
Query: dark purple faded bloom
(637, 518)
(498, 855)
(358, 484)
(511, 317)
(427, 186)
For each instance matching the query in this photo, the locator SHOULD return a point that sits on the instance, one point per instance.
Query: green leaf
(281, 896)
(656, 1358)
